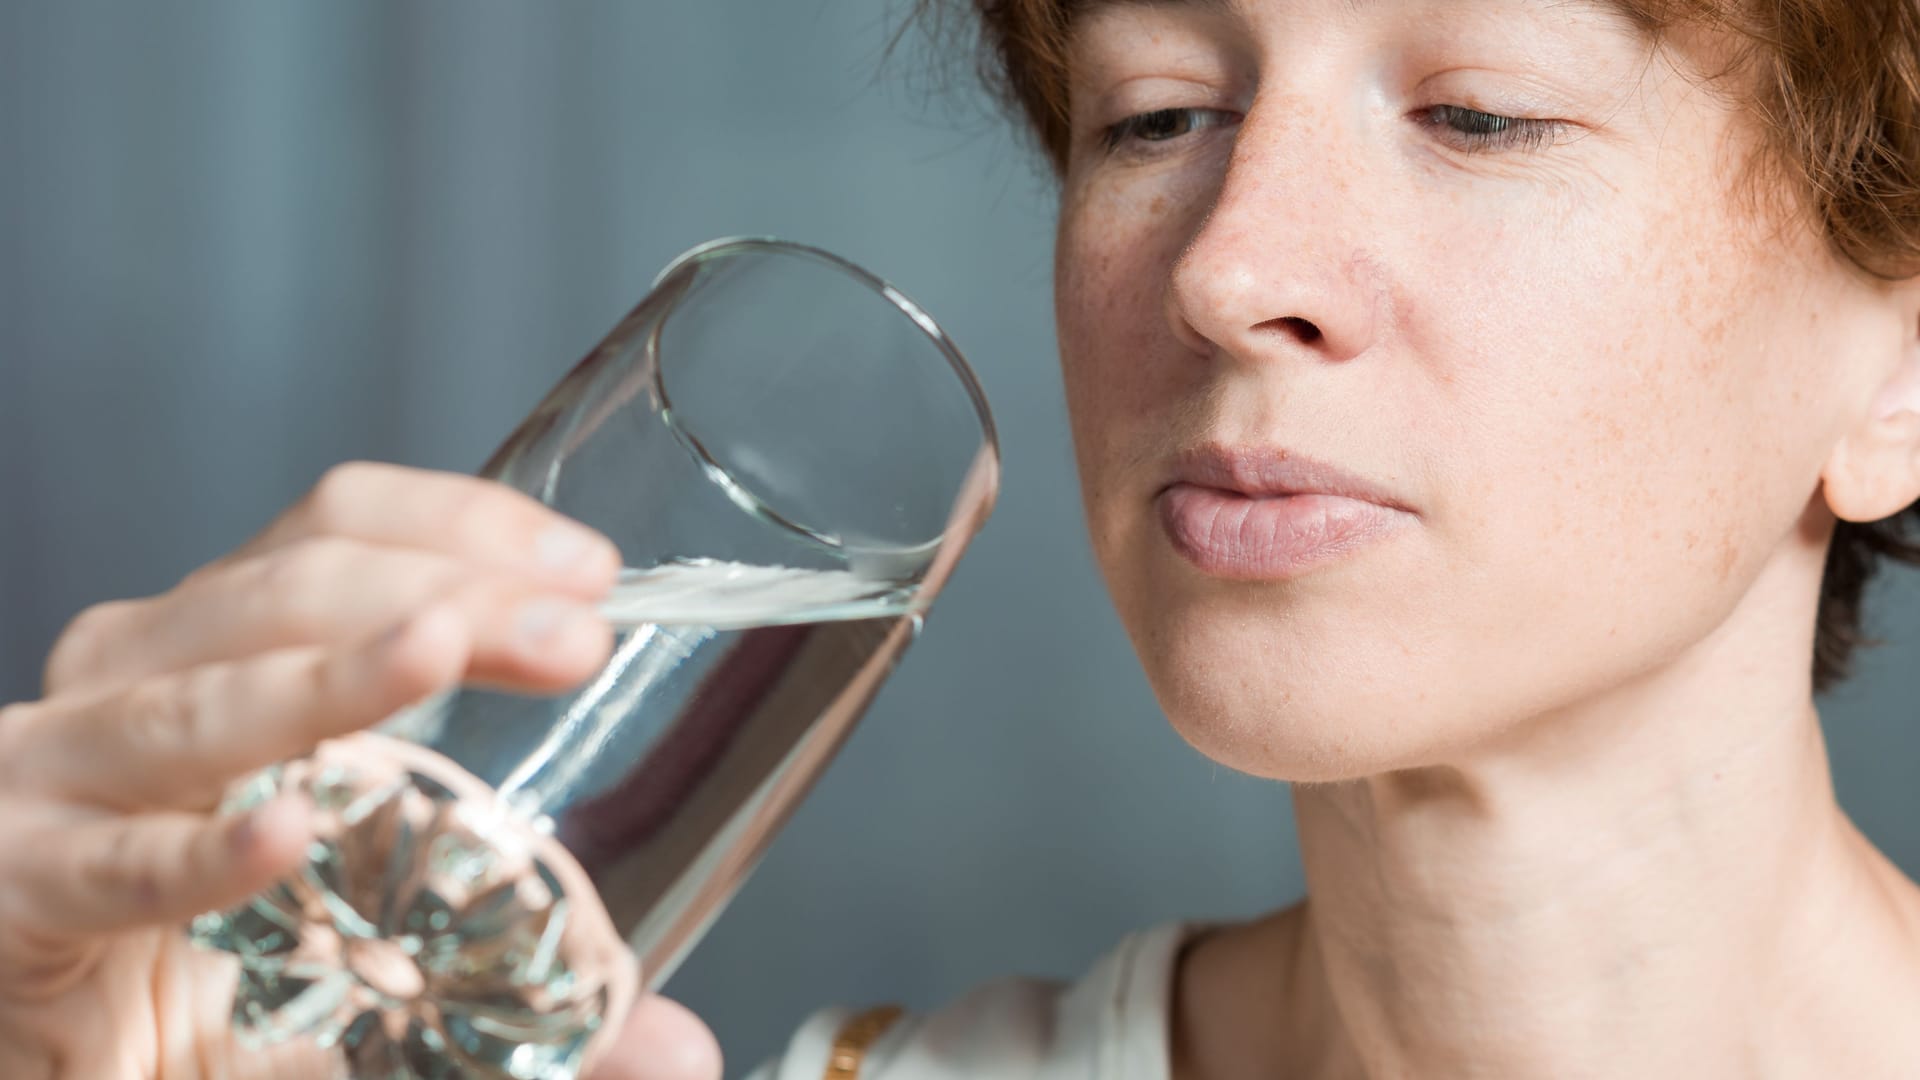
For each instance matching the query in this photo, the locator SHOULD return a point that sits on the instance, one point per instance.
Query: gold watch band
(855, 1036)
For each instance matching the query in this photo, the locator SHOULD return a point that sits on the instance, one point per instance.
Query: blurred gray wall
(241, 241)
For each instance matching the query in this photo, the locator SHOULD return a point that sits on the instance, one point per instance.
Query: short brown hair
(1836, 86)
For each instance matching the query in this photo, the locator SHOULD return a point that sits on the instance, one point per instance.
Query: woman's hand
(382, 586)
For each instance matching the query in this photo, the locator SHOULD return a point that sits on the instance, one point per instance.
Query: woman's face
(1488, 277)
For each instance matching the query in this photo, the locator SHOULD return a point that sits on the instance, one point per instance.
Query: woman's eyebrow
(1087, 7)
(1083, 8)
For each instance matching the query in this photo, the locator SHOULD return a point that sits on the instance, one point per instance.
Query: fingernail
(565, 546)
(271, 819)
(247, 826)
(544, 622)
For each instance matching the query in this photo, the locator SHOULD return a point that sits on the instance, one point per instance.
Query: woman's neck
(1673, 929)
(1660, 886)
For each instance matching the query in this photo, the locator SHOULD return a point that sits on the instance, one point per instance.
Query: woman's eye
(1160, 125)
(1471, 129)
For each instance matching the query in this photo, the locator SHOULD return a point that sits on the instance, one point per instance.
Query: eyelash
(1477, 131)
(1473, 129)
(1140, 126)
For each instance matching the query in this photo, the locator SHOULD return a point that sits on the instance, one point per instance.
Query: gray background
(241, 241)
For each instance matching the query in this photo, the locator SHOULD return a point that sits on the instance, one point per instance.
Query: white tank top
(1110, 1025)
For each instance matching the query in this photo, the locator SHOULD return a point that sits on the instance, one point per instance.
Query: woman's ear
(1874, 471)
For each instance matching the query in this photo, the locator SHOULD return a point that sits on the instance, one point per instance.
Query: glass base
(433, 933)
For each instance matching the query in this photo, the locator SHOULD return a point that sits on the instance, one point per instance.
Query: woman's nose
(1280, 265)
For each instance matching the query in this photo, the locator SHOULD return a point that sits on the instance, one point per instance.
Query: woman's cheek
(1115, 254)
(1620, 411)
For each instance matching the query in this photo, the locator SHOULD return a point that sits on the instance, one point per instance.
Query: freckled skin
(1607, 386)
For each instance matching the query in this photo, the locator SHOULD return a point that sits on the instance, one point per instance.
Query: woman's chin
(1311, 715)
(1301, 746)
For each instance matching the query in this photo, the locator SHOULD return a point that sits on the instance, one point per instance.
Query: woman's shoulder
(1110, 1024)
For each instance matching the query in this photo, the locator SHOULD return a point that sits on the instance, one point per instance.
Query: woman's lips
(1234, 535)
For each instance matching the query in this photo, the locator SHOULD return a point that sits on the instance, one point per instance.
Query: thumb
(662, 1040)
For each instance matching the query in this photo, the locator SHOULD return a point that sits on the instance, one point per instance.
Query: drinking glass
(791, 456)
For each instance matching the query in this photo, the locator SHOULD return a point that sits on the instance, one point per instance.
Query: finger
(177, 741)
(314, 592)
(473, 520)
(661, 1040)
(119, 873)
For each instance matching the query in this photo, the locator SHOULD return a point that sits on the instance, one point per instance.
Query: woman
(1488, 413)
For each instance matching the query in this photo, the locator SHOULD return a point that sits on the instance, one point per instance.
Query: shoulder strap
(855, 1036)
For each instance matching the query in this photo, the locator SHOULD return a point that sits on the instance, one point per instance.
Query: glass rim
(730, 246)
